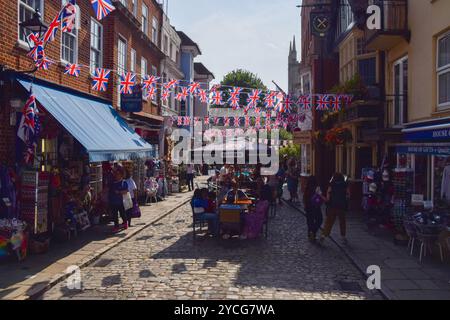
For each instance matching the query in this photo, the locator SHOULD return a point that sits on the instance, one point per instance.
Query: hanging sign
(320, 23)
(132, 102)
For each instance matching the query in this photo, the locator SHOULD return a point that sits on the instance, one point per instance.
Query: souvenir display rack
(404, 188)
(96, 181)
(34, 196)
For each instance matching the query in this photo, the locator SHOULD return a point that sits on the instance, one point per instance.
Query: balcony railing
(394, 25)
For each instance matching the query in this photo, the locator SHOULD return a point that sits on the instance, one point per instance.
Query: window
(69, 43)
(155, 73)
(400, 99)
(346, 17)
(367, 69)
(144, 19)
(133, 60)
(134, 7)
(306, 159)
(166, 45)
(144, 70)
(443, 71)
(121, 60)
(26, 10)
(96, 45)
(155, 30)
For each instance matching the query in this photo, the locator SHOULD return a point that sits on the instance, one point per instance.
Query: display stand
(96, 181)
(34, 197)
(404, 188)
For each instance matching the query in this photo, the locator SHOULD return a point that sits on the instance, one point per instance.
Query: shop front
(60, 192)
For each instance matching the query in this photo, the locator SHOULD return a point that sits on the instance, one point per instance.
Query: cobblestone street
(162, 262)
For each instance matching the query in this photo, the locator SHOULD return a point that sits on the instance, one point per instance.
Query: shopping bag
(286, 194)
(136, 212)
(127, 201)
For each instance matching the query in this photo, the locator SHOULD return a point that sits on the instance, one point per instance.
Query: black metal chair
(197, 223)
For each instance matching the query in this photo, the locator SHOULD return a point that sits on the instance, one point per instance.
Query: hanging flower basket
(338, 136)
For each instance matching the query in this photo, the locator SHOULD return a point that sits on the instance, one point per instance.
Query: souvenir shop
(59, 190)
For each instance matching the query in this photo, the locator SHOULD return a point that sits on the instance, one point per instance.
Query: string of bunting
(153, 86)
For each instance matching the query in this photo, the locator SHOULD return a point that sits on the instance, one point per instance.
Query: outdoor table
(230, 217)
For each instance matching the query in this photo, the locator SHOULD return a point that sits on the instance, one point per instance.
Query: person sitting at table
(235, 195)
(200, 206)
(212, 202)
(254, 220)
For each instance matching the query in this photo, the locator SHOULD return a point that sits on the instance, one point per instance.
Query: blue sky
(250, 34)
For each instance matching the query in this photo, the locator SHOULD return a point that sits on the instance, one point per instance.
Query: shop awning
(95, 124)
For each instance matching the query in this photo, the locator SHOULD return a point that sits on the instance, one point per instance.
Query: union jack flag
(193, 88)
(100, 79)
(28, 122)
(306, 102)
(38, 46)
(102, 8)
(335, 103)
(149, 81)
(171, 84)
(235, 98)
(68, 15)
(180, 121)
(182, 96)
(206, 121)
(269, 100)
(226, 122)
(43, 63)
(237, 121)
(150, 94)
(165, 95)
(322, 102)
(187, 121)
(216, 98)
(203, 96)
(50, 34)
(127, 82)
(258, 122)
(72, 69)
(253, 98)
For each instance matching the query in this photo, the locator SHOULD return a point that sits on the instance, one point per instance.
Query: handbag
(136, 212)
(127, 201)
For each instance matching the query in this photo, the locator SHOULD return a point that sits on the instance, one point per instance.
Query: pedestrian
(119, 188)
(337, 205)
(313, 200)
(281, 175)
(190, 176)
(132, 189)
(292, 180)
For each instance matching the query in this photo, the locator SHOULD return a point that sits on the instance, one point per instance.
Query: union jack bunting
(127, 82)
(193, 88)
(37, 47)
(187, 121)
(237, 121)
(226, 122)
(287, 104)
(234, 102)
(68, 16)
(100, 79)
(180, 121)
(335, 103)
(149, 81)
(150, 94)
(171, 84)
(247, 122)
(306, 102)
(72, 69)
(206, 121)
(196, 120)
(216, 120)
(182, 96)
(43, 63)
(253, 99)
(102, 8)
(165, 95)
(258, 122)
(269, 100)
(203, 96)
(50, 34)
(216, 98)
(322, 102)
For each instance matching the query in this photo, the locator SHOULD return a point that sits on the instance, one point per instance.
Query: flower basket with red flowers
(337, 137)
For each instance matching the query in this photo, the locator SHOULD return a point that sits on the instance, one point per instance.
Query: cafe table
(230, 217)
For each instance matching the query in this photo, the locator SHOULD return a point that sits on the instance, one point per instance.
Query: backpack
(338, 198)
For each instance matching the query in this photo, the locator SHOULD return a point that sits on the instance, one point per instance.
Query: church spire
(294, 46)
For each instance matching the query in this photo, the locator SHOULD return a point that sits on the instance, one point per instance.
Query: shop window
(443, 71)
(441, 186)
(27, 8)
(367, 69)
(400, 98)
(405, 161)
(421, 174)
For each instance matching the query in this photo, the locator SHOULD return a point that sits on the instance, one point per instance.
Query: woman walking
(313, 200)
(132, 189)
(337, 205)
(119, 188)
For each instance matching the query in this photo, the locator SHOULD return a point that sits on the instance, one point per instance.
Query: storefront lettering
(441, 133)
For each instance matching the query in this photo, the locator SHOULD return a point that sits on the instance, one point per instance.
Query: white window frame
(400, 62)
(100, 62)
(73, 34)
(134, 3)
(155, 73)
(155, 31)
(144, 19)
(119, 69)
(133, 61)
(440, 70)
(20, 3)
(144, 72)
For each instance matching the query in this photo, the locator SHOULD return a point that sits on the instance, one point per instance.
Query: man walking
(190, 176)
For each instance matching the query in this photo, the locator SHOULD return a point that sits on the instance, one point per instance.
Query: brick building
(126, 40)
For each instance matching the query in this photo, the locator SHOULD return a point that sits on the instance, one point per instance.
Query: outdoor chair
(411, 231)
(428, 239)
(198, 224)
